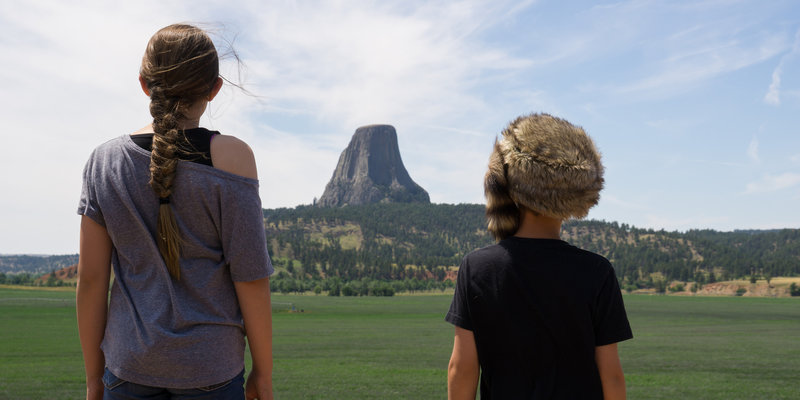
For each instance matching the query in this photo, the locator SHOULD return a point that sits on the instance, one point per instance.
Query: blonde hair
(179, 67)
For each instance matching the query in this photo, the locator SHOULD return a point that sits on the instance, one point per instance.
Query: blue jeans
(118, 389)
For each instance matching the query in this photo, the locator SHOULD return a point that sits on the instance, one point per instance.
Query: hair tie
(163, 200)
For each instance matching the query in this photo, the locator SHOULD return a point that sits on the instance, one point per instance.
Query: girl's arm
(94, 270)
(233, 155)
(464, 370)
(254, 300)
(610, 369)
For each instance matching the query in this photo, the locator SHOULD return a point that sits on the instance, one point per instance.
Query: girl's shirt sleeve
(87, 205)
(244, 242)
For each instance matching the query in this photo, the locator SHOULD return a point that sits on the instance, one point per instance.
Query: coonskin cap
(545, 164)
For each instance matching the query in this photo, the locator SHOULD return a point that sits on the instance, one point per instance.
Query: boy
(537, 318)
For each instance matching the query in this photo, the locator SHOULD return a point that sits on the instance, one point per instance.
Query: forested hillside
(424, 241)
(15, 264)
(389, 247)
(704, 256)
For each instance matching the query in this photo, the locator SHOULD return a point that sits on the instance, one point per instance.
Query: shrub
(677, 288)
(348, 290)
(660, 285)
(794, 290)
(630, 288)
(741, 291)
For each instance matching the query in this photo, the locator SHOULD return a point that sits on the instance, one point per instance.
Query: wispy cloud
(379, 62)
(677, 45)
(752, 150)
(448, 74)
(773, 95)
(691, 66)
(771, 183)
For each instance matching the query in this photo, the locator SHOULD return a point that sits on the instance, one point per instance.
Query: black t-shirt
(538, 308)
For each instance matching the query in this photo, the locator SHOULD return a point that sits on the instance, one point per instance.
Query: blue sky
(694, 104)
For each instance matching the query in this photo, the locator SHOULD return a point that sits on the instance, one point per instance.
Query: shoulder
(492, 250)
(588, 255)
(585, 262)
(486, 257)
(108, 150)
(233, 155)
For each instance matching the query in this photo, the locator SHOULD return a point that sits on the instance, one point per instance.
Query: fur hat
(545, 164)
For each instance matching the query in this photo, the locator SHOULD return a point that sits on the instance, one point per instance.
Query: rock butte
(370, 170)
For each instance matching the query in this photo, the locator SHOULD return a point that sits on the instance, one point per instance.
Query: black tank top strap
(194, 145)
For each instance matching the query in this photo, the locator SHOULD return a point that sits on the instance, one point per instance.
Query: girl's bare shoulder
(233, 155)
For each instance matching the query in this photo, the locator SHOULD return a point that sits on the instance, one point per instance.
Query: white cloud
(689, 66)
(673, 46)
(68, 87)
(752, 150)
(448, 74)
(771, 183)
(773, 95)
(356, 66)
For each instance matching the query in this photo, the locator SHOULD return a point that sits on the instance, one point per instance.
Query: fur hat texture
(545, 164)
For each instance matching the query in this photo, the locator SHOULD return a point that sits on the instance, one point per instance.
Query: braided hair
(179, 67)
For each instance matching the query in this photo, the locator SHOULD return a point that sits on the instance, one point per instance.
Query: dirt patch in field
(742, 288)
(777, 287)
(68, 274)
(750, 290)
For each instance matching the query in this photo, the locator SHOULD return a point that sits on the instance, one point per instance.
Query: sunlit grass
(398, 347)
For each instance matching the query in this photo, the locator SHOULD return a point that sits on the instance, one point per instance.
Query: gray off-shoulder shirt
(164, 332)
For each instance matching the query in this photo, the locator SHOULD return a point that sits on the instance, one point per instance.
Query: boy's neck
(534, 226)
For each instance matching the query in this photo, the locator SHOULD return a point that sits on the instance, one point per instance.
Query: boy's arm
(94, 270)
(464, 370)
(610, 369)
(254, 300)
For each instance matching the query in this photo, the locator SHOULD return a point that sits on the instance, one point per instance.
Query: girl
(174, 210)
(534, 317)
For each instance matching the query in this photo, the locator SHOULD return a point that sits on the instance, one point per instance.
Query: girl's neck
(534, 226)
(192, 118)
(189, 124)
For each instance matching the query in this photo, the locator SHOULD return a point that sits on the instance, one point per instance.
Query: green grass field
(398, 347)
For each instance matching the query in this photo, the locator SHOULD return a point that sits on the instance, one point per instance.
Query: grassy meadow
(398, 347)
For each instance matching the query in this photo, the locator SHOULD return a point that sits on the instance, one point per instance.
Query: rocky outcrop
(370, 170)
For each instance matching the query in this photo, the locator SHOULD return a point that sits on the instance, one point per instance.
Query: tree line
(397, 242)
(16, 264)
(395, 247)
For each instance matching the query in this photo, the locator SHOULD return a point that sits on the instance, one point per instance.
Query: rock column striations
(370, 170)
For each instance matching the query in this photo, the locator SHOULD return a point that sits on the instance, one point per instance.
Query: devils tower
(370, 170)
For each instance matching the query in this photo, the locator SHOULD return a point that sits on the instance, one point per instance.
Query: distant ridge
(400, 241)
(370, 170)
(381, 240)
(37, 264)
